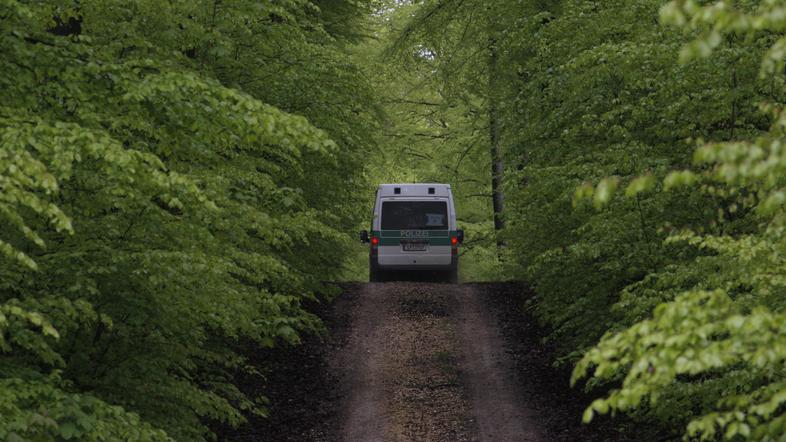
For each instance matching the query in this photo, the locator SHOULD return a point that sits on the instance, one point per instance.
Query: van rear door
(415, 233)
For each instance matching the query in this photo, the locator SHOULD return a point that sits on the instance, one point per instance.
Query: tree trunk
(497, 164)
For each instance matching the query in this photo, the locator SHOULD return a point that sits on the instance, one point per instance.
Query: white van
(413, 229)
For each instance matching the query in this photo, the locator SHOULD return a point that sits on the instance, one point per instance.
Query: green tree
(594, 100)
(721, 341)
(159, 199)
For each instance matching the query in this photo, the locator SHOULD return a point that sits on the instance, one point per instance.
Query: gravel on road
(414, 361)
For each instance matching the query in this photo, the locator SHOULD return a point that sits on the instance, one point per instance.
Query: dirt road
(408, 361)
(426, 362)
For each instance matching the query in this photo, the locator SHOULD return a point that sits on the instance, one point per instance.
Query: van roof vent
(431, 191)
(397, 190)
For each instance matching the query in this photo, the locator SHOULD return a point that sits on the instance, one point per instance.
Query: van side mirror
(460, 236)
(364, 236)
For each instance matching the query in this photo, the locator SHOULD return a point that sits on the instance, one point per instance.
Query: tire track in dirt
(421, 362)
(361, 361)
(400, 375)
(489, 375)
(425, 362)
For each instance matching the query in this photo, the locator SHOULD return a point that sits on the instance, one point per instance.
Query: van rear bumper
(374, 263)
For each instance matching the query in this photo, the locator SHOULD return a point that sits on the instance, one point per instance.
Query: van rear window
(414, 215)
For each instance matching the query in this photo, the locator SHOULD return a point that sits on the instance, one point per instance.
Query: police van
(413, 229)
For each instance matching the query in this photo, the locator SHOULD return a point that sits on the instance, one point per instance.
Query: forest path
(413, 361)
(426, 362)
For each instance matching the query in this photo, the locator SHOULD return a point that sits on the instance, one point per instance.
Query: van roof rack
(437, 190)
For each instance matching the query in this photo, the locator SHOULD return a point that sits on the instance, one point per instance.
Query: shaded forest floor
(419, 361)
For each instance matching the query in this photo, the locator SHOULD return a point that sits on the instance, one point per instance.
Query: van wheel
(375, 275)
(452, 276)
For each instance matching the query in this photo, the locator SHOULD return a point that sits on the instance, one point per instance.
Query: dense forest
(177, 177)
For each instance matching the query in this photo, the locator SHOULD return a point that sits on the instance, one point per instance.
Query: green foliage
(162, 169)
(715, 341)
(40, 409)
(645, 191)
(175, 176)
(430, 62)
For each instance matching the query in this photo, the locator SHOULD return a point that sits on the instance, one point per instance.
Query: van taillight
(454, 241)
(374, 241)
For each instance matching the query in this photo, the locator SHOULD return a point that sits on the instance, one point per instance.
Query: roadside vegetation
(176, 176)
(642, 149)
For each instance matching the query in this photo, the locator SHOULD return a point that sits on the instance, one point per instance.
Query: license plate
(414, 247)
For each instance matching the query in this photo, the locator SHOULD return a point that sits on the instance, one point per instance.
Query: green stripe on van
(395, 237)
